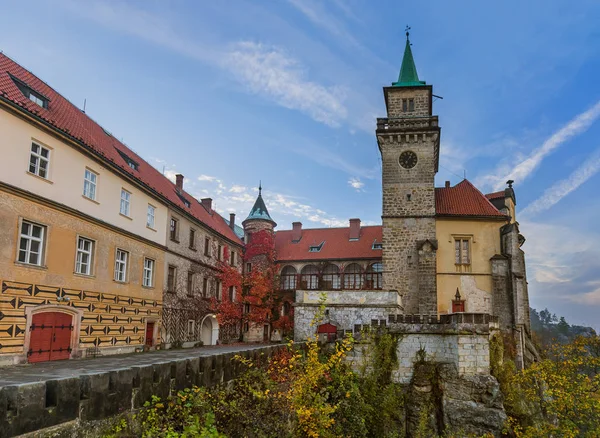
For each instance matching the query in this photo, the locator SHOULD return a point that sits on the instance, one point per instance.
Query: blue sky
(287, 92)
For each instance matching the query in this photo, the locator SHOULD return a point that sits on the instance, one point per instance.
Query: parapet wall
(34, 406)
(461, 339)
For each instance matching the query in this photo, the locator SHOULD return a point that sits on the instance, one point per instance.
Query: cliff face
(439, 402)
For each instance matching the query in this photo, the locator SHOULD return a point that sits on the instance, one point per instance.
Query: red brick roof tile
(66, 117)
(464, 199)
(337, 244)
(496, 195)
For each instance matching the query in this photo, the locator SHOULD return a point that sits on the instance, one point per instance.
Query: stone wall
(34, 406)
(458, 339)
(344, 309)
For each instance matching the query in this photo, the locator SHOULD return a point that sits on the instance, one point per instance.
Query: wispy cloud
(356, 183)
(562, 188)
(527, 165)
(273, 73)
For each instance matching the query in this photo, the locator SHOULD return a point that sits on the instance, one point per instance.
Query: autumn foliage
(256, 300)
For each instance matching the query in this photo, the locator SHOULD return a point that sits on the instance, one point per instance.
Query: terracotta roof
(67, 118)
(337, 244)
(496, 195)
(464, 199)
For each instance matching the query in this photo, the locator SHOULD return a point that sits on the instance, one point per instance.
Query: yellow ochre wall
(475, 286)
(114, 315)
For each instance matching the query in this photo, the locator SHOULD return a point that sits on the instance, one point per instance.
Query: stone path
(20, 374)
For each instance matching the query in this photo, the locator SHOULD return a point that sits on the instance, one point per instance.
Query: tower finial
(407, 31)
(259, 187)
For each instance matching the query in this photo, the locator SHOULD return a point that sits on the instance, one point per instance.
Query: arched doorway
(209, 331)
(52, 332)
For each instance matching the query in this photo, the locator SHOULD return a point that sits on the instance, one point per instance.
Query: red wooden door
(61, 339)
(149, 334)
(50, 337)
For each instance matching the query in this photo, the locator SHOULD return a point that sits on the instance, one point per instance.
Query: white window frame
(150, 213)
(36, 99)
(121, 265)
(36, 158)
(125, 207)
(90, 183)
(30, 239)
(148, 272)
(463, 257)
(80, 253)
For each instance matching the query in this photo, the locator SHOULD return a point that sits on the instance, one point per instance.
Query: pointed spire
(259, 210)
(408, 76)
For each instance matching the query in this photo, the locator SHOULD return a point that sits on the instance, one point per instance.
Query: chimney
(207, 203)
(354, 229)
(296, 231)
(179, 181)
(447, 184)
(232, 220)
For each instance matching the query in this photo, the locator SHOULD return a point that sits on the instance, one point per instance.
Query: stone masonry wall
(34, 406)
(421, 96)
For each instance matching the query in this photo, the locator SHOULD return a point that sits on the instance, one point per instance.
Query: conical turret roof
(408, 76)
(259, 210)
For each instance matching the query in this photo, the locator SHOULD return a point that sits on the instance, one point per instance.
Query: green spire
(408, 72)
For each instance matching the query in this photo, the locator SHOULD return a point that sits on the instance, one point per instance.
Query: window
(89, 184)
(353, 278)
(125, 202)
(207, 247)
(404, 105)
(171, 273)
(377, 245)
(219, 253)
(373, 277)
(173, 230)
(34, 96)
(462, 254)
(246, 308)
(309, 278)
(31, 243)
(36, 99)
(411, 105)
(83, 258)
(190, 283)
(39, 161)
(232, 258)
(316, 248)
(192, 238)
(121, 265)
(288, 278)
(148, 277)
(218, 289)
(131, 163)
(150, 216)
(191, 324)
(331, 277)
(204, 287)
(231, 293)
(248, 267)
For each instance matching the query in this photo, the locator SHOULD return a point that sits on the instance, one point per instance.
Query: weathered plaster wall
(114, 314)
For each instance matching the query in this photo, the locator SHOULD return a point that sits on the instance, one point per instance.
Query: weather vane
(407, 30)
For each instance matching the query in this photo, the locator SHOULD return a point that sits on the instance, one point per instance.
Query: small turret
(259, 217)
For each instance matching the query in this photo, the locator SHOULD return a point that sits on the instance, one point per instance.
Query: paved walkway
(20, 374)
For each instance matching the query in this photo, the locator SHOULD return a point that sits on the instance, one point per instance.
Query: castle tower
(409, 140)
(258, 220)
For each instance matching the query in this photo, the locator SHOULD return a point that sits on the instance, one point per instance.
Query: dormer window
(131, 163)
(316, 248)
(184, 200)
(377, 245)
(32, 95)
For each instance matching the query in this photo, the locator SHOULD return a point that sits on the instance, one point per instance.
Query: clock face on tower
(408, 159)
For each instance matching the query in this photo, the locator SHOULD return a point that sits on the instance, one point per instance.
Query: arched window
(353, 278)
(331, 277)
(288, 278)
(309, 278)
(373, 276)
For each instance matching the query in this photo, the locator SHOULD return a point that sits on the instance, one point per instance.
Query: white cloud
(562, 188)
(271, 72)
(170, 174)
(237, 189)
(356, 183)
(208, 178)
(527, 165)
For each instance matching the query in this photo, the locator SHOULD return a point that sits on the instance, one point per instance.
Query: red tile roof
(337, 244)
(496, 195)
(464, 199)
(67, 118)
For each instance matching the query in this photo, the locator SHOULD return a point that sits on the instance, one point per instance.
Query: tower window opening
(411, 105)
(408, 196)
(404, 105)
